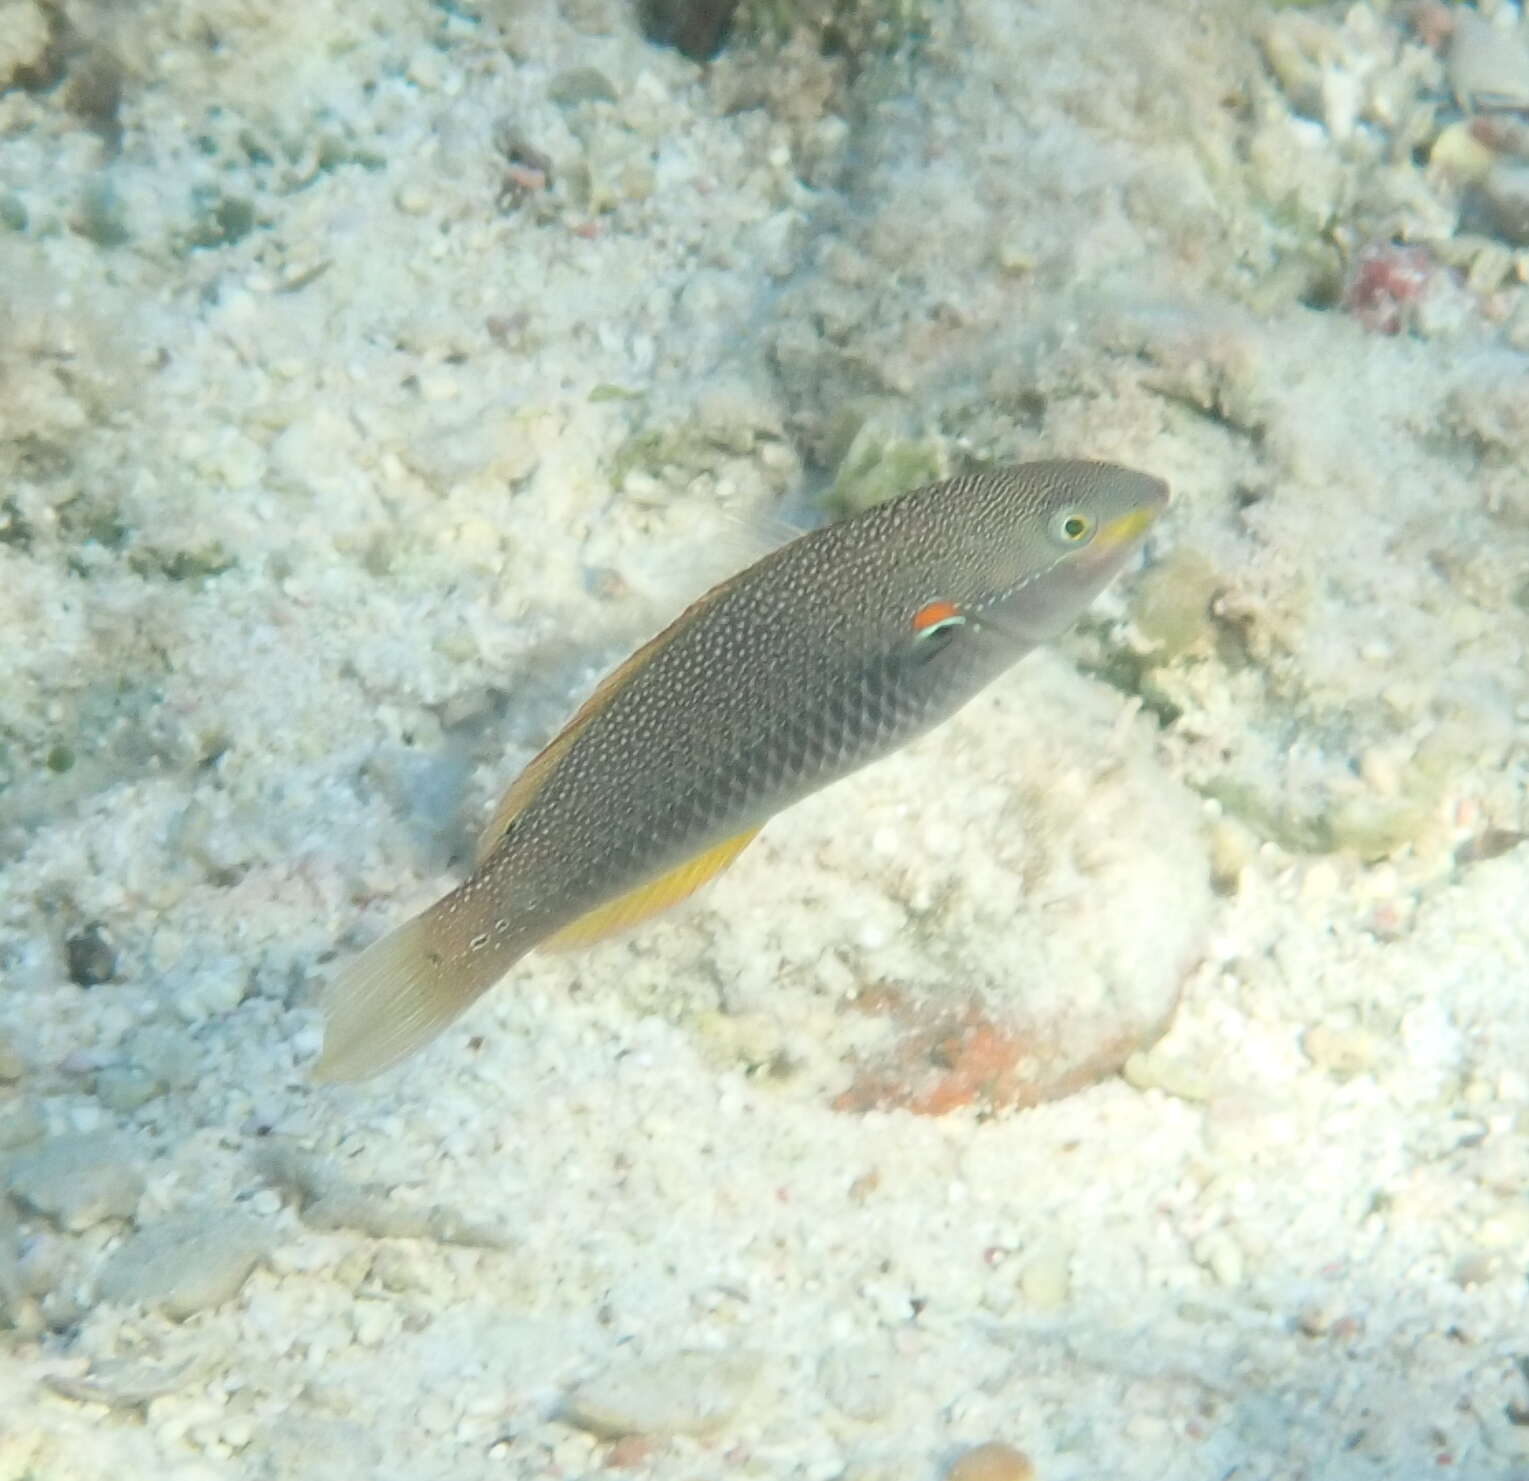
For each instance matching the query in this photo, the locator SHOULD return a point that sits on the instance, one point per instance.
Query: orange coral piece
(980, 1061)
(973, 1059)
(628, 1452)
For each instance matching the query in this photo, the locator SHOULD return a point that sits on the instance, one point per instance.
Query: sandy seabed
(371, 377)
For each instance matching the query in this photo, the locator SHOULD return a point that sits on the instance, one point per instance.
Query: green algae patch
(879, 464)
(847, 27)
(200, 564)
(1172, 603)
(1294, 831)
(220, 220)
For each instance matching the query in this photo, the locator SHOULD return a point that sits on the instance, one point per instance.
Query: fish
(829, 652)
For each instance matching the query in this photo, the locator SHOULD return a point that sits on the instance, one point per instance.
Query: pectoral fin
(650, 898)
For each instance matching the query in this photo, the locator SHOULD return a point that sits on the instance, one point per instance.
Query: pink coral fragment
(1384, 283)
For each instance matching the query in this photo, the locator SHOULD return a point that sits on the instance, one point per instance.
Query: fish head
(1056, 541)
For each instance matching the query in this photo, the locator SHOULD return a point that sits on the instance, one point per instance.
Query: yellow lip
(1127, 528)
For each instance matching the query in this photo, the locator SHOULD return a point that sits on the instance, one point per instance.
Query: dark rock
(91, 955)
(696, 27)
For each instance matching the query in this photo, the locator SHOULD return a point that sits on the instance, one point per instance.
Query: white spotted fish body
(826, 654)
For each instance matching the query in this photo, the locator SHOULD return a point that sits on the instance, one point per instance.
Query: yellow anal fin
(650, 898)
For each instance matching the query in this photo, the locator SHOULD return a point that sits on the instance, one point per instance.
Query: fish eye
(1072, 527)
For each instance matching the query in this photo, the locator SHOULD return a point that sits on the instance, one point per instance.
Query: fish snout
(1121, 533)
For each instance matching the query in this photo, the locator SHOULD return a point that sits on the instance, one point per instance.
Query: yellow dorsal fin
(650, 898)
(529, 782)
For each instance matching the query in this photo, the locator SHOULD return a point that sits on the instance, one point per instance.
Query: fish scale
(826, 654)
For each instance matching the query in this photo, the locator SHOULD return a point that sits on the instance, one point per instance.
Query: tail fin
(406, 988)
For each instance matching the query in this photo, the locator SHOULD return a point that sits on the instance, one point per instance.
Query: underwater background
(1129, 1079)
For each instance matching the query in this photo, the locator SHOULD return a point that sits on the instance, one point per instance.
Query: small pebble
(1045, 1280)
(1345, 1052)
(1490, 843)
(1155, 1069)
(91, 955)
(21, 1122)
(12, 1066)
(858, 1382)
(1506, 1230)
(581, 85)
(1219, 1252)
(184, 1264)
(320, 1447)
(1488, 65)
(127, 1383)
(1474, 1268)
(125, 1087)
(164, 1053)
(328, 1202)
(881, 1466)
(993, 1461)
(78, 1181)
(1460, 154)
(412, 200)
(17, 1309)
(630, 1452)
(687, 1393)
(1505, 190)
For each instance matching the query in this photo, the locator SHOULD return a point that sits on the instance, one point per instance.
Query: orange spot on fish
(933, 614)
